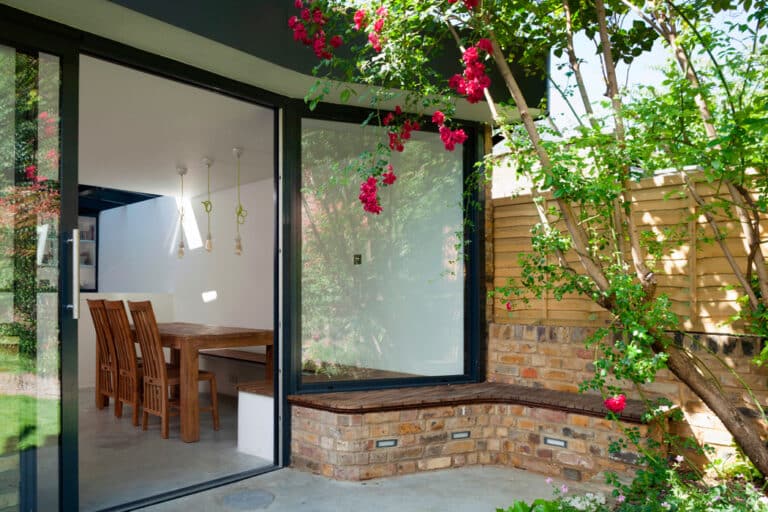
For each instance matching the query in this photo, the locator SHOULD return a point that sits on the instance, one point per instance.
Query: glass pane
(29, 279)
(382, 295)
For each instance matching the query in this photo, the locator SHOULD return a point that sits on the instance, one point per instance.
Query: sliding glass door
(34, 257)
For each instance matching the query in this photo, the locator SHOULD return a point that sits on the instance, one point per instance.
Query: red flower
(378, 25)
(398, 110)
(368, 196)
(389, 176)
(299, 4)
(317, 17)
(336, 41)
(470, 55)
(471, 4)
(485, 45)
(452, 137)
(509, 306)
(42, 115)
(359, 19)
(306, 15)
(30, 171)
(388, 119)
(616, 403)
(374, 40)
(438, 117)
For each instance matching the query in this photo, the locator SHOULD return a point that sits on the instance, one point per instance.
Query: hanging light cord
(207, 204)
(240, 212)
(181, 203)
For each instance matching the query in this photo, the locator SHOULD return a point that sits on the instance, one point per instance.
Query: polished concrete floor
(120, 463)
(471, 489)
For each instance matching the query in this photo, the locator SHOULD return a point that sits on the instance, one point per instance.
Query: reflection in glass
(29, 279)
(382, 296)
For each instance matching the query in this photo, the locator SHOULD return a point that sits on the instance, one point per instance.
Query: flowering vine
(473, 82)
(308, 28)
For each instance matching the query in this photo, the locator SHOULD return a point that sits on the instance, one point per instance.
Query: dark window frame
(474, 301)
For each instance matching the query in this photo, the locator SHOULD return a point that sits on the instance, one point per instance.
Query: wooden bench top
(258, 387)
(358, 402)
(235, 354)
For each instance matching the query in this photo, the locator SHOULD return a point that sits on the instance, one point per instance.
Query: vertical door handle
(75, 306)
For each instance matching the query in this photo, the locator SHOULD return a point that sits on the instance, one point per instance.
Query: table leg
(190, 404)
(269, 367)
(175, 361)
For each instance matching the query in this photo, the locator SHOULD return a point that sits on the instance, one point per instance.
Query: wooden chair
(157, 376)
(106, 361)
(130, 374)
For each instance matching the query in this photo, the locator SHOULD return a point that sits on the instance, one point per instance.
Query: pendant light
(182, 172)
(240, 212)
(208, 206)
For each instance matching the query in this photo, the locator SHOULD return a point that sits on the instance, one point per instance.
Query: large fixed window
(382, 296)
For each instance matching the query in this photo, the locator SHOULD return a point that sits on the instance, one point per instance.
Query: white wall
(137, 253)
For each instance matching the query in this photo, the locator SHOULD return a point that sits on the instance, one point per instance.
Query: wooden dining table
(185, 341)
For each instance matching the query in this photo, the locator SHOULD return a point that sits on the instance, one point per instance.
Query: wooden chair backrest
(125, 348)
(103, 332)
(149, 340)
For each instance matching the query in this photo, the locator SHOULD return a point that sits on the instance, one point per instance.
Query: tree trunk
(745, 433)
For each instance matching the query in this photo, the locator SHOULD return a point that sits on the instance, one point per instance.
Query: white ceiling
(136, 128)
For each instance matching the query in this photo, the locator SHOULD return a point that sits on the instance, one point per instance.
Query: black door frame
(64, 47)
(26, 31)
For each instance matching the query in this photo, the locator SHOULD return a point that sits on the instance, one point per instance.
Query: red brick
(529, 373)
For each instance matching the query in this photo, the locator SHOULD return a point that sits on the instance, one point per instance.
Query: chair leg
(164, 423)
(99, 395)
(135, 411)
(214, 403)
(118, 407)
(144, 420)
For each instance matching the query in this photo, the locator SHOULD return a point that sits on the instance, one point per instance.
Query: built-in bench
(236, 355)
(255, 418)
(367, 434)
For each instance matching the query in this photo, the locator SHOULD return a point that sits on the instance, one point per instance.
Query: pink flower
(381, 11)
(549, 478)
(452, 137)
(378, 25)
(368, 196)
(30, 171)
(616, 403)
(317, 17)
(509, 308)
(470, 55)
(299, 4)
(485, 45)
(620, 498)
(359, 19)
(438, 117)
(292, 21)
(42, 115)
(564, 489)
(306, 15)
(389, 177)
(374, 40)
(336, 41)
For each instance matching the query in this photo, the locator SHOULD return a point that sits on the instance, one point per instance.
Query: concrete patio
(480, 489)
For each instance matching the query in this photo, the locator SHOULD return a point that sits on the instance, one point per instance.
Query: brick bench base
(349, 441)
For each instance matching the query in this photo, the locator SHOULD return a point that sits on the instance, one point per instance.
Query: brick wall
(343, 446)
(555, 358)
